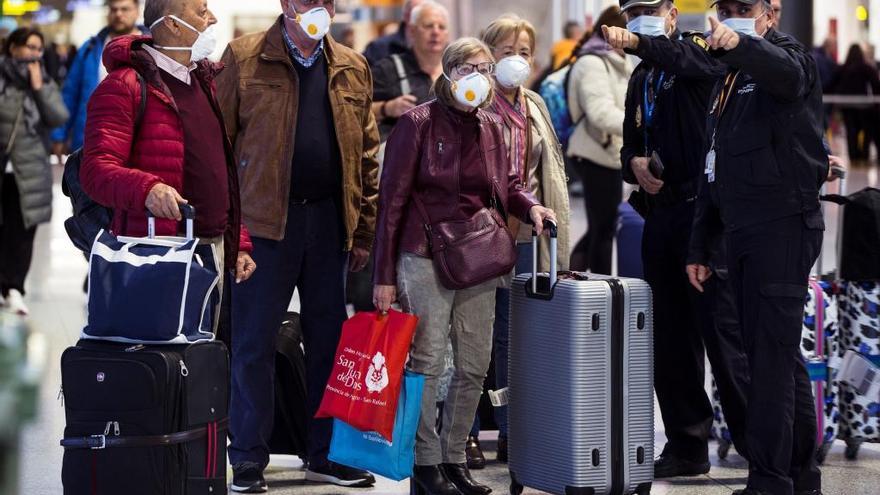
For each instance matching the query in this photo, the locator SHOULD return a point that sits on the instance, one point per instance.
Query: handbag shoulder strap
(15, 127)
(405, 88)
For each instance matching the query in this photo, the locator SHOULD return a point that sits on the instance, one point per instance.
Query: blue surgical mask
(744, 26)
(648, 25)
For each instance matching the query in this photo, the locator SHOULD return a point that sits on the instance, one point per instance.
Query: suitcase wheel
(515, 487)
(822, 453)
(852, 448)
(644, 489)
(723, 449)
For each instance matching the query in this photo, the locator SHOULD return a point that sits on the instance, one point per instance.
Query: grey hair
(156, 9)
(426, 6)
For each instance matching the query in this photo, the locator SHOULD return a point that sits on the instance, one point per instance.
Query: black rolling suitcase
(291, 415)
(145, 420)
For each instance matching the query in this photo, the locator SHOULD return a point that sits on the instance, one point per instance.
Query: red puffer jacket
(116, 174)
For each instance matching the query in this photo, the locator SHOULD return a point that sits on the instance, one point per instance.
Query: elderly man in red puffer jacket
(180, 154)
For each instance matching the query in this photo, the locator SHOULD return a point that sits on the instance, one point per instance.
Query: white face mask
(744, 26)
(203, 46)
(648, 25)
(315, 23)
(512, 72)
(472, 90)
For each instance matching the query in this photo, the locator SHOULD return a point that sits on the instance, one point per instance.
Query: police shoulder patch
(698, 39)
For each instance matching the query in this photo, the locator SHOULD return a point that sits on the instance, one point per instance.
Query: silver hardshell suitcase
(581, 393)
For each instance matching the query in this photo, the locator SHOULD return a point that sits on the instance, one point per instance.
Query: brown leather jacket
(258, 94)
(415, 163)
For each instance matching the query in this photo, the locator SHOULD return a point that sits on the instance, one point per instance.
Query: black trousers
(856, 121)
(688, 326)
(16, 241)
(769, 266)
(603, 192)
(310, 258)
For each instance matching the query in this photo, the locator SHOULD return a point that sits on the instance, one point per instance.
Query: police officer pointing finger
(764, 166)
(664, 131)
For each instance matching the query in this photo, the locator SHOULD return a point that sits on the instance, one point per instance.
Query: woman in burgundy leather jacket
(447, 160)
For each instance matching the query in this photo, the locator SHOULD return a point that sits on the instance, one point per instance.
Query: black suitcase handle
(554, 248)
(189, 214)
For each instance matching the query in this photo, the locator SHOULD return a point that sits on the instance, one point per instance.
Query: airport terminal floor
(57, 307)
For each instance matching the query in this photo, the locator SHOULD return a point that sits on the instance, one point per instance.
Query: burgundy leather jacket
(423, 157)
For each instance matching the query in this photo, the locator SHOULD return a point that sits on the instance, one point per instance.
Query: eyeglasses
(485, 68)
(317, 3)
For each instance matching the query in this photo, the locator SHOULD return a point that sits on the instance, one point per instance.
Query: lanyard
(723, 100)
(650, 94)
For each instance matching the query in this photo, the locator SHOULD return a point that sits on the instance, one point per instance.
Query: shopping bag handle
(550, 226)
(189, 214)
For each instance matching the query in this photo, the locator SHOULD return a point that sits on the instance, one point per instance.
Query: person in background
(536, 158)
(454, 128)
(857, 78)
(415, 69)
(563, 49)
(826, 61)
(30, 105)
(346, 38)
(58, 59)
(597, 97)
(87, 72)
(297, 106)
(389, 44)
(180, 153)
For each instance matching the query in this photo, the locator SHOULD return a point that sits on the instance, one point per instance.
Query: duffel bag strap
(100, 442)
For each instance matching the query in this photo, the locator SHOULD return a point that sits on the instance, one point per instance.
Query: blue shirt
(297, 55)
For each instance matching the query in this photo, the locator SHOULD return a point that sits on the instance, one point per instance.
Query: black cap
(747, 2)
(628, 4)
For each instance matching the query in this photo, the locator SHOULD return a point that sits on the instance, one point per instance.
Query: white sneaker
(15, 303)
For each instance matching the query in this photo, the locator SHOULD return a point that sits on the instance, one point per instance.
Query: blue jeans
(500, 338)
(311, 257)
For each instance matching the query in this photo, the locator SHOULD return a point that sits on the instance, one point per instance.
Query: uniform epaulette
(698, 38)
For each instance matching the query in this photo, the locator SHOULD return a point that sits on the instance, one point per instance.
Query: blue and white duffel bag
(152, 290)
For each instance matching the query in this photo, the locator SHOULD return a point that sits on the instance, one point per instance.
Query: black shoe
(247, 477)
(338, 474)
(668, 466)
(808, 492)
(474, 454)
(749, 491)
(502, 449)
(459, 475)
(430, 480)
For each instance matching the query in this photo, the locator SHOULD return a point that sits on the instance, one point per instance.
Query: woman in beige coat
(535, 153)
(596, 98)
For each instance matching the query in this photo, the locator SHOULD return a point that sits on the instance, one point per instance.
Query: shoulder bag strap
(405, 88)
(15, 127)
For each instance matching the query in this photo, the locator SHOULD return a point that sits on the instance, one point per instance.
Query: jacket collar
(275, 50)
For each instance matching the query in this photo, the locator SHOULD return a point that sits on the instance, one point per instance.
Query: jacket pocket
(753, 158)
(781, 311)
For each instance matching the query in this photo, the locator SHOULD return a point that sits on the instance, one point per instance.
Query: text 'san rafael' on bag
(364, 387)
(152, 290)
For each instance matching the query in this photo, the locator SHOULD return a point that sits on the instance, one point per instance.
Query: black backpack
(860, 256)
(89, 217)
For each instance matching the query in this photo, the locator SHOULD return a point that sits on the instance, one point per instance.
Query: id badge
(710, 165)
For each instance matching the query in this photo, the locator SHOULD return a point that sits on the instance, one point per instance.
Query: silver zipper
(61, 395)
(116, 428)
(183, 369)
(135, 348)
(107, 428)
(440, 147)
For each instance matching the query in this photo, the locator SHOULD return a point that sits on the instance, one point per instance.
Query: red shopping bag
(364, 386)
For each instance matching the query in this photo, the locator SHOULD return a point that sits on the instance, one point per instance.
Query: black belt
(99, 442)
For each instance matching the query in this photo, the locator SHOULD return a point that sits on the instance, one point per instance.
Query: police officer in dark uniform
(764, 166)
(664, 131)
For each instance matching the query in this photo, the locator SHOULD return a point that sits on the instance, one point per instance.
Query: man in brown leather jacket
(297, 107)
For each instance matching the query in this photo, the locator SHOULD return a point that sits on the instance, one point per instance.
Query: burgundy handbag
(467, 253)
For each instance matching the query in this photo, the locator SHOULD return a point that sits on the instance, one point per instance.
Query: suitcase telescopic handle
(189, 214)
(554, 239)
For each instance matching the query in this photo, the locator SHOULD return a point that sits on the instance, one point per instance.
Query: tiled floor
(57, 304)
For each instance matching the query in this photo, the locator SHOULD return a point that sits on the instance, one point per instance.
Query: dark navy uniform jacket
(677, 74)
(770, 159)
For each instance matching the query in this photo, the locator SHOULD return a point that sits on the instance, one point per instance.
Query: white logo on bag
(377, 375)
(100, 377)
